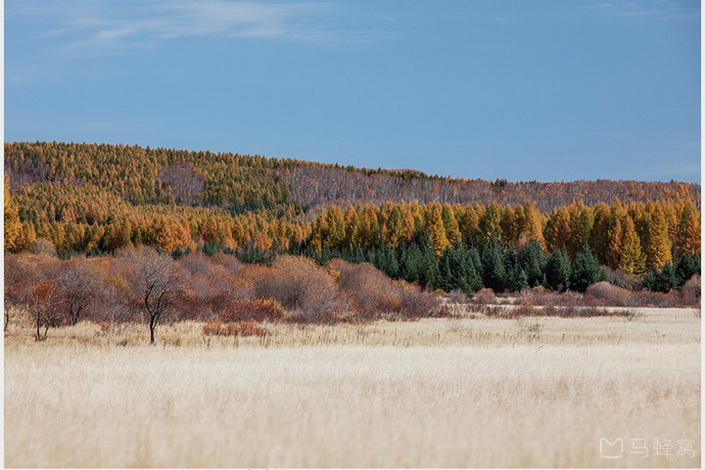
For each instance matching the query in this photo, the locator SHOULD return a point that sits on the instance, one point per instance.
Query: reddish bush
(230, 263)
(485, 296)
(609, 294)
(690, 293)
(307, 290)
(620, 278)
(373, 293)
(258, 310)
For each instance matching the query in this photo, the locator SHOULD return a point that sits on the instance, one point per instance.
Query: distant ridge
(243, 183)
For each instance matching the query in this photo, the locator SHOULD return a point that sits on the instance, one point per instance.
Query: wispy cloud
(101, 28)
(665, 9)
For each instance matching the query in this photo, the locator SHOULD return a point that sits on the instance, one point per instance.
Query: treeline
(493, 265)
(316, 186)
(153, 176)
(242, 183)
(631, 238)
(71, 199)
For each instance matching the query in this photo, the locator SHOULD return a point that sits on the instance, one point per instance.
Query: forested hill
(240, 183)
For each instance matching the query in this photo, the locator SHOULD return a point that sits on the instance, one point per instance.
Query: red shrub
(609, 294)
(485, 296)
(373, 293)
(307, 290)
(258, 310)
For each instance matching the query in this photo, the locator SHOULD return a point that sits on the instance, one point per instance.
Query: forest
(69, 201)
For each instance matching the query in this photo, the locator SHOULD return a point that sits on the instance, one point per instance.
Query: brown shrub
(690, 293)
(525, 308)
(219, 328)
(258, 310)
(230, 263)
(196, 263)
(374, 294)
(307, 290)
(626, 280)
(609, 294)
(485, 296)
(458, 296)
(42, 246)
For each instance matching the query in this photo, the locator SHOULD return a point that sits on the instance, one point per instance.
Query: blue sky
(523, 90)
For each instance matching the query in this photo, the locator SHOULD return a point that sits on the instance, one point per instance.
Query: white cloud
(88, 27)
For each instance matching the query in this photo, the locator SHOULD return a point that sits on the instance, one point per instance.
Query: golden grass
(434, 393)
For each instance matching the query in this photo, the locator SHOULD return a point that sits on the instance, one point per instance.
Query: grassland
(462, 392)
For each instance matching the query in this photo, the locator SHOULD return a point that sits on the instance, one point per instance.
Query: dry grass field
(463, 392)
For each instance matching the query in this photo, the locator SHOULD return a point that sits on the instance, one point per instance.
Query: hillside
(242, 183)
(437, 232)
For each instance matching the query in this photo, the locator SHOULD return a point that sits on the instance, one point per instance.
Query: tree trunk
(152, 325)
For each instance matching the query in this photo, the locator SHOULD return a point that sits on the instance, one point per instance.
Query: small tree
(155, 280)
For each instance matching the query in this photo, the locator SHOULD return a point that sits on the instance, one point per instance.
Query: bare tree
(78, 288)
(156, 281)
(43, 302)
(30, 284)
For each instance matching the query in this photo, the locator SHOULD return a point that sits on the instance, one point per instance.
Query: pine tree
(658, 244)
(686, 266)
(12, 219)
(387, 261)
(661, 281)
(688, 235)
(532, 261)
(494, 274)
(436, 230)
(410, 266)
(558, 270)
(632, 259)
(519, 279)
(586, 270)
(450, 224)
(457, 270)
(557, 230)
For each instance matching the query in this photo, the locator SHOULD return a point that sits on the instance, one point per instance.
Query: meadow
(446, 392)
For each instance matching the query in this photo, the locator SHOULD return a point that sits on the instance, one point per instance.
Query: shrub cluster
(218, 289)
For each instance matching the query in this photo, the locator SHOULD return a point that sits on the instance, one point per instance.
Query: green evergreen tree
(457, 270)
(661, 281)
(533, 262)
(411, 263)
(687, 265)
(586, 270)
(558, 270)
(519, 280)
(386, 261)
(494, 274)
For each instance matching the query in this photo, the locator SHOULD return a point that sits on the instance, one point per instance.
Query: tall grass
(461, 393)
